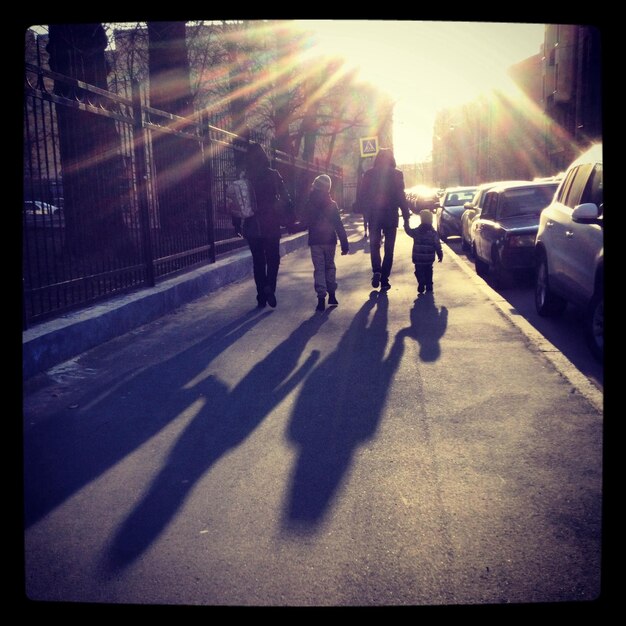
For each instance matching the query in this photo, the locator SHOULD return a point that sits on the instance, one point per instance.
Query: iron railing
(118, 195)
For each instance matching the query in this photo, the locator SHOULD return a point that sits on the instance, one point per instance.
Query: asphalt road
(394, 450)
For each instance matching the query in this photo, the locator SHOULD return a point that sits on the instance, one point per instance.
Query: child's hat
(426, 216)
(322, 182)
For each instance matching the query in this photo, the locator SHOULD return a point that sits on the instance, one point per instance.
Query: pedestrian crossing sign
(369, 146)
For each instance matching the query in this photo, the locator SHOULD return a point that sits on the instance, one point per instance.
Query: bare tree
(129, 58)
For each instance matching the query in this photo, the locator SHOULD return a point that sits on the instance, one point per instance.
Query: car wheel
(547, 303)
(482, 268)
(442, 234)
(501, 277)
(594, 324)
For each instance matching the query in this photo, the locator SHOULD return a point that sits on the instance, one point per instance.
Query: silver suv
(569, 248)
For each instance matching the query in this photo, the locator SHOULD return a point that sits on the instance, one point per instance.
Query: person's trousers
(265, 262)
(324, 268)
(424, 275)
(385, 264)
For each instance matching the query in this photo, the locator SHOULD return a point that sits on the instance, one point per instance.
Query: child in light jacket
(323, 221)
(426, 245)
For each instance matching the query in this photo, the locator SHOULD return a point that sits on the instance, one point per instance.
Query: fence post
(207, 188)
(141, 183)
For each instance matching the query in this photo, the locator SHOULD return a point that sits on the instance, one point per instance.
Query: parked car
(39, 213)
(504, 234)
(569, 248)
(450, 209)
(472, 211)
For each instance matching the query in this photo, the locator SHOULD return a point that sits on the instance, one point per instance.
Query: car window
(479, 199)
(458, 198)
(578, 184)
(565, 186)
(489, 206)
(593, 189)
(524, 201)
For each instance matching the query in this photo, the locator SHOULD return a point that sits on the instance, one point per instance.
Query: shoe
(386, 285)
(429, 289)
(376, 280)
(261, 302)
(421, 289)
(331, 298)
(271, 299)
(320, 304)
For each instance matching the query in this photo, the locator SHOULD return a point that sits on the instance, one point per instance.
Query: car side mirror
(587, 213)
(468, 205)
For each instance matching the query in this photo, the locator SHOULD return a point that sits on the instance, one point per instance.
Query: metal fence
(118, 195)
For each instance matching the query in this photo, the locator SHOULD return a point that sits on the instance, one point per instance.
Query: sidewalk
(48, 344)
(393, 450)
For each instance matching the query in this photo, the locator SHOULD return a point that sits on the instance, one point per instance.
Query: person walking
(426, 244)
(381, 194)
(272, 208)
(323, 221)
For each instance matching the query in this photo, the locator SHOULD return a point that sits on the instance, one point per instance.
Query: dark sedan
(450, 209)
(503, 236)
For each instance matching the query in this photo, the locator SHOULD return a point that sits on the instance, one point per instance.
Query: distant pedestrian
(323, 221)
(273, 208)
(426, 245)
(380, 195)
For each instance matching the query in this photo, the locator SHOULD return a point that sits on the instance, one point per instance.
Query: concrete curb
(61, 339)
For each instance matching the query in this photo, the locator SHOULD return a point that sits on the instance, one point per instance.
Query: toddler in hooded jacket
(426, 245)
(322, 219)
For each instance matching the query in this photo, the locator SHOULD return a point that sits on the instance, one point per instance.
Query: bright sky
(426, 66)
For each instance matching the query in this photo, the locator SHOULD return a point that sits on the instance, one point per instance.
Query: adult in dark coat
(273, 209)
(381, 194)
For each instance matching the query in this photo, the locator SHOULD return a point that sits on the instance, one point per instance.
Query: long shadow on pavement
(339, 407)
(223, 419)
(428, 325)
(72, 447)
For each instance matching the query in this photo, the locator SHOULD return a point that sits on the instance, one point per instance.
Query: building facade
(498, 137)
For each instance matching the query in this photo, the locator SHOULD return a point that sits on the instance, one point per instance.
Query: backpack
(240, 198)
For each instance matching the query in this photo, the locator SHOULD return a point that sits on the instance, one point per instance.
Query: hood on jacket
(385, 158)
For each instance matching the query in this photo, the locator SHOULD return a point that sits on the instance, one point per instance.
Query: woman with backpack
(273, 208)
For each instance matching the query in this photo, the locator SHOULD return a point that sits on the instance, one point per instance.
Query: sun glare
(427, 66)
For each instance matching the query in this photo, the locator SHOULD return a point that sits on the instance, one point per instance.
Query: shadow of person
(428, 325)
(72, 447)
(338, 408)
(219, 419)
